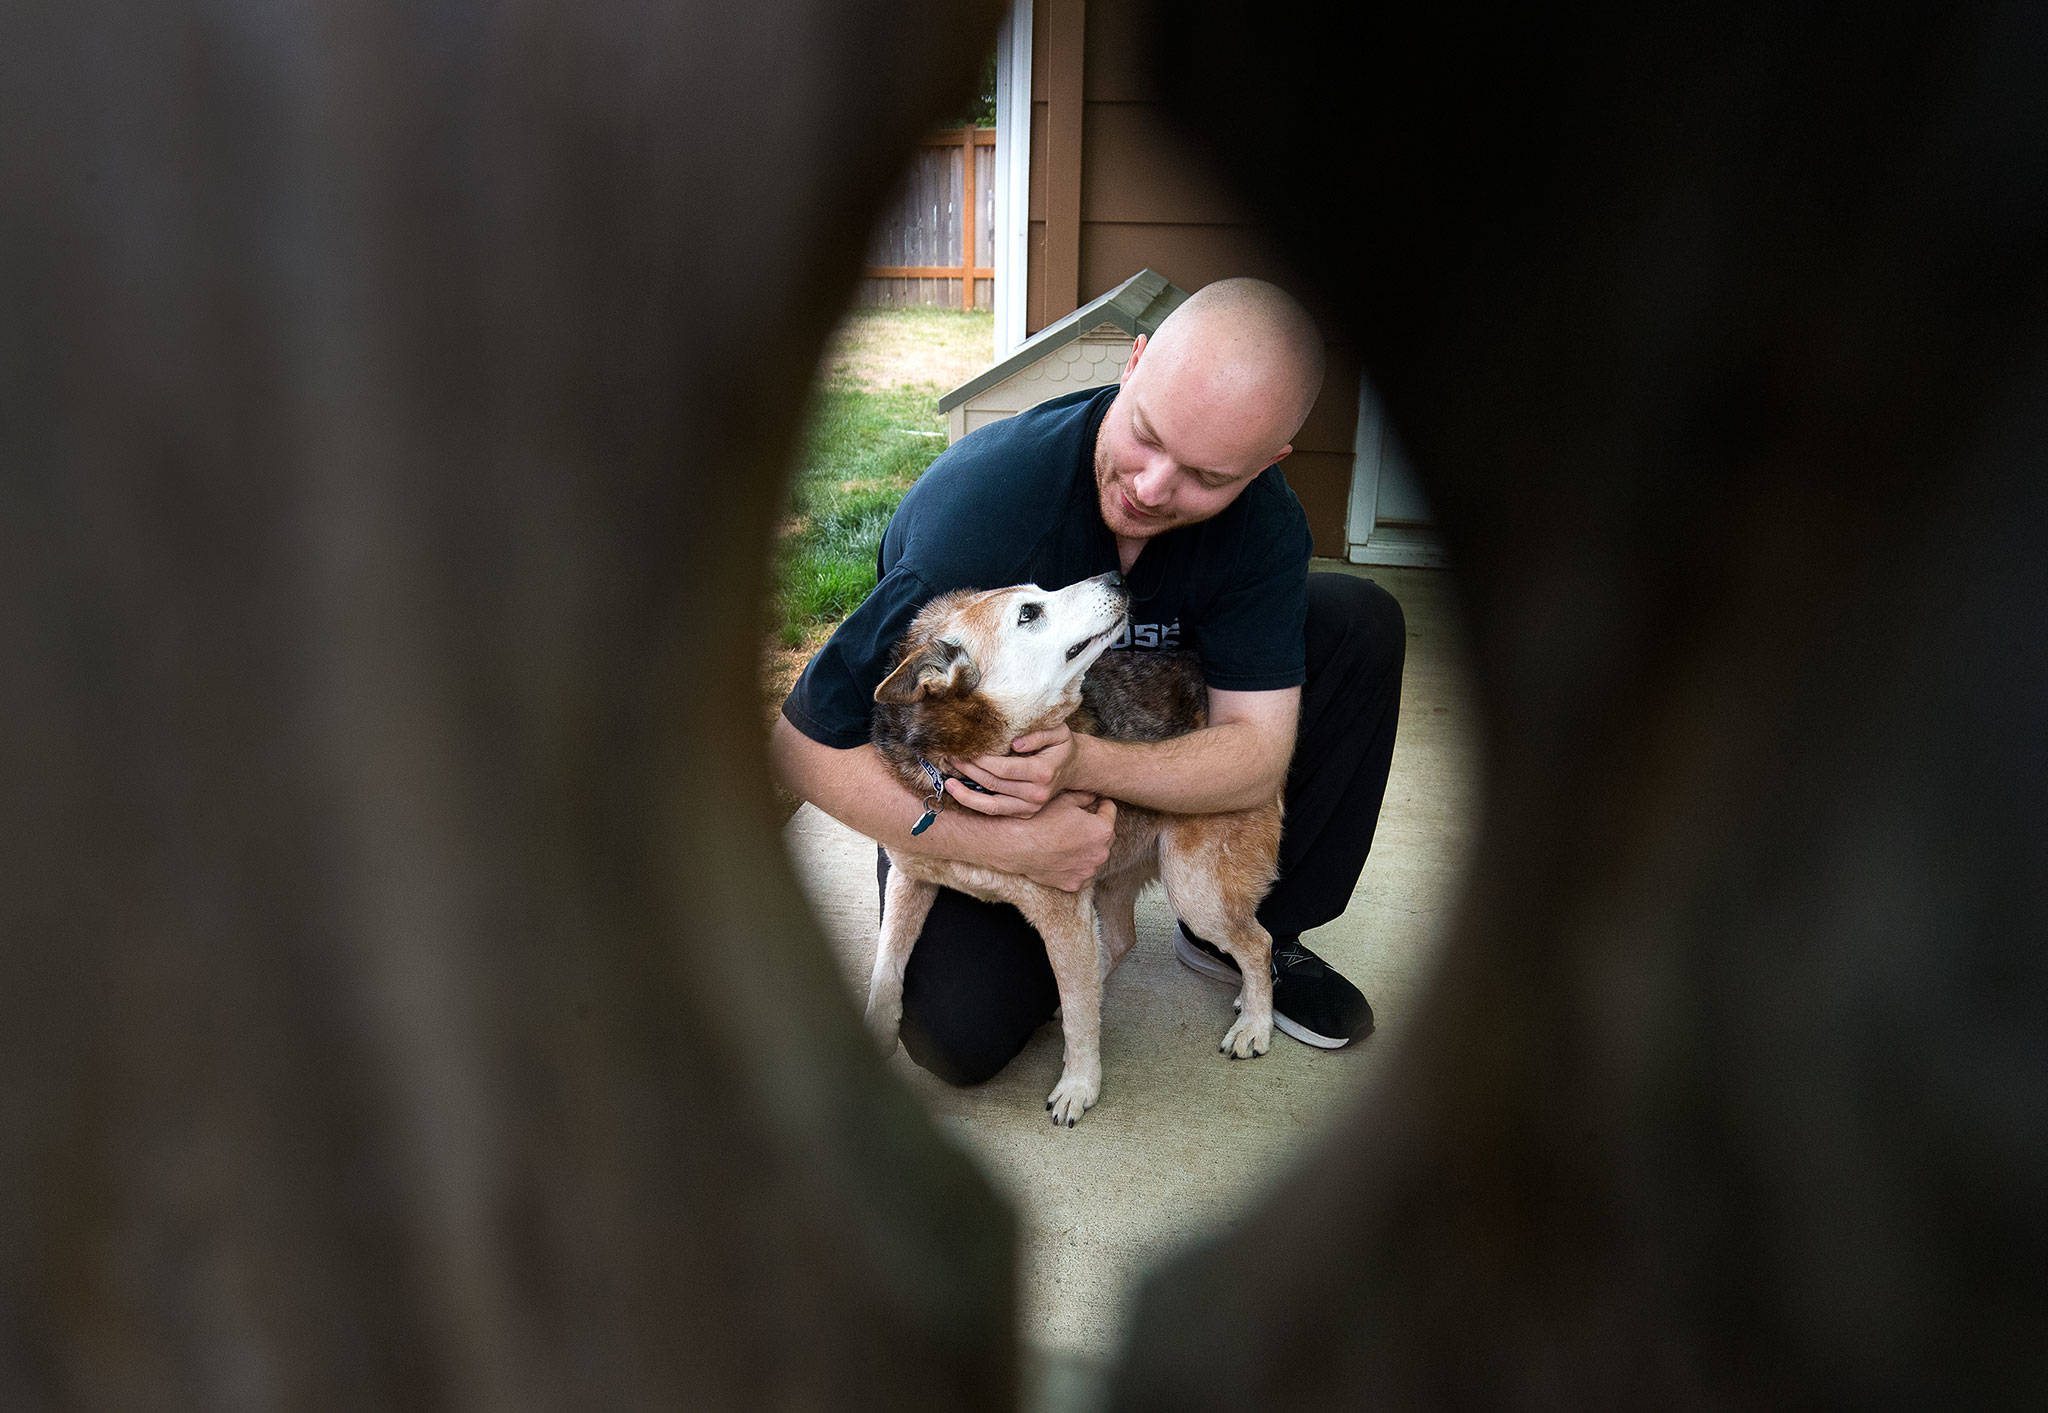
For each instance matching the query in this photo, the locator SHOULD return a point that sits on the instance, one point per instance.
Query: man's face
(1174, 450)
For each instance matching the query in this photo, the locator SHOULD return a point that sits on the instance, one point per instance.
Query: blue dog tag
(924, 823)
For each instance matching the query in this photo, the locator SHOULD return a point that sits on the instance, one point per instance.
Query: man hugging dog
(1171, 478)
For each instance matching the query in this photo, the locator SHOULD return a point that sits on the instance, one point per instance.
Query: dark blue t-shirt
(1014, 503)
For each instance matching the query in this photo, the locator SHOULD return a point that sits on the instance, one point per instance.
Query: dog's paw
(884, 1020)
(1247, 1038)
(1071, 1098)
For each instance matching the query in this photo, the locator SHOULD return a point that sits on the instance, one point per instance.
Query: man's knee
(950, 1046)
(1353, 617)
(975, 989)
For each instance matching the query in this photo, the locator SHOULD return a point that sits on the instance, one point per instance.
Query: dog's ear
(935, 671)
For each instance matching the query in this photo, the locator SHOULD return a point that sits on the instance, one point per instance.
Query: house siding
(1114, 189)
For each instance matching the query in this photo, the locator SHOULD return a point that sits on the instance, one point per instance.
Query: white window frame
(1376, 459)
(1012, 176)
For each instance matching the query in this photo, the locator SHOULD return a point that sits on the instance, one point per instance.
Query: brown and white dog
(979, 669)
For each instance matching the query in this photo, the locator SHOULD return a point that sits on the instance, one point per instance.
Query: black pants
(979, 984)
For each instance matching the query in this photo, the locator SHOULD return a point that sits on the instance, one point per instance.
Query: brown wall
(1114, 191)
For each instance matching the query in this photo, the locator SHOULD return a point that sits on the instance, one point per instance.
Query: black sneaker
(1311, 1002)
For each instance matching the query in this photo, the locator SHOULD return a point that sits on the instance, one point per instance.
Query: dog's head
(1022, 649)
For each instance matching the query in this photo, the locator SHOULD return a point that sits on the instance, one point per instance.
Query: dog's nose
(1113, 579)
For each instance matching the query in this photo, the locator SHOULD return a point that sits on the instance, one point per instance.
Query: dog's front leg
(905, 903)
(1067, 923)
(1116, 906)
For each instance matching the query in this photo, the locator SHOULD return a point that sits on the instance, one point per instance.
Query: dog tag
(924, 823)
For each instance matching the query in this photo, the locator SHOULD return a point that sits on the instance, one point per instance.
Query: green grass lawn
(871, 427)
(863, 449)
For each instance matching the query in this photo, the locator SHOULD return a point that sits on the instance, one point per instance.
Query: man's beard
(1109, 492)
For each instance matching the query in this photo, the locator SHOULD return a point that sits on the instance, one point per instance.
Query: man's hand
(1038, 767)
(1062, 845)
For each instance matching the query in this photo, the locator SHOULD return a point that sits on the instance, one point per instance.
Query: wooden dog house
(1087, 348)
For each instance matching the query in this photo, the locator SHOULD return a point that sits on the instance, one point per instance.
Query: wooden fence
(935, 243)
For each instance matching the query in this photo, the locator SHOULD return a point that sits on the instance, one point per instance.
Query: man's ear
(1131, 365)
(938, 670)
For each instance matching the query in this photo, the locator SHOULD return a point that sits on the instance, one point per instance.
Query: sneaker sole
(1201, 963)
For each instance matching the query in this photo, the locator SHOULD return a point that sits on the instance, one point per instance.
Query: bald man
(1171, 477)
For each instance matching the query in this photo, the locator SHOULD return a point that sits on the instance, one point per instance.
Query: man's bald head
(1243, 345)
(1207, 403)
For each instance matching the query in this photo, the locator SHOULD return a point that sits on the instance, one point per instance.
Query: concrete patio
(1182, 1138)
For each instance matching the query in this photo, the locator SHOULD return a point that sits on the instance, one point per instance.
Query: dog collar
(932, 801)
(937, 797)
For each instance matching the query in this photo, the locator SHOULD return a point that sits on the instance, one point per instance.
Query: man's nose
(1154, 484)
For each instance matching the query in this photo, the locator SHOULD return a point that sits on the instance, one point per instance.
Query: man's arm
(1238, 760)
(1061, 847)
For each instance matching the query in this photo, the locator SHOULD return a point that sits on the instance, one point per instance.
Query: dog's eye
(1027, 613)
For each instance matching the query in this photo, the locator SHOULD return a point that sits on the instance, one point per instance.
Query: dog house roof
(1137, 306)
